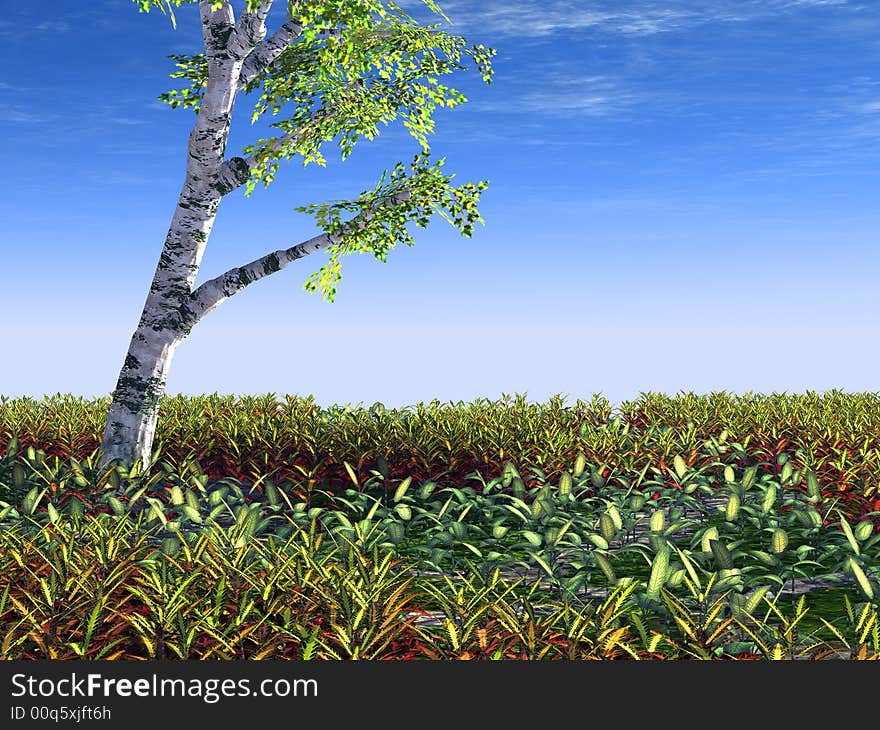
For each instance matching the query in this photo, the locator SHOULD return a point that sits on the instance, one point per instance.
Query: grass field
(353, 533)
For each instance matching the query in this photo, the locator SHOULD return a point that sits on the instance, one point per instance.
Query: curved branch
(265, 54)
(216, 26)
(214, 292)
(249, 30)
(234, 172)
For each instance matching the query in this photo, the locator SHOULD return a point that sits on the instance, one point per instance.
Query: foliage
(701, 556)
(352, 66)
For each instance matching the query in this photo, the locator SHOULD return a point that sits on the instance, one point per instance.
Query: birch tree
(343, 66)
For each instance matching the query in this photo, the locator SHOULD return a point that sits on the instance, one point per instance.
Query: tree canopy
(354, 64)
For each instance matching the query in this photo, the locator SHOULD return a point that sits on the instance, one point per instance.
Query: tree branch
(216, 26)
(249, 31)
(235, 171)
(214, 292)
(264, 55)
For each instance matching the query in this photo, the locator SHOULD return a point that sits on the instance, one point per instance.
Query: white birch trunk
(166, 319)
(235, 56)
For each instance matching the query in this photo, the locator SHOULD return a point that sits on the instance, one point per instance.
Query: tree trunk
(168, 316)
(165, 322)
(134, 410)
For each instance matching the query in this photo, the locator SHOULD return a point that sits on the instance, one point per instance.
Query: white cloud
(126, 121)
(560, 93)
(796, 3)
(534, 18)
(542, 18)
(16, 114)
(56, 26)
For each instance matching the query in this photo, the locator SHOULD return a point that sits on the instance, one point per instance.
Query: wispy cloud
(78, 112)
(55, 26)
(802, 3)
(18, 114)
(114, 179)
(541, 18)
(855, 107)
(560, 93)
(536, 19)
(123, 121)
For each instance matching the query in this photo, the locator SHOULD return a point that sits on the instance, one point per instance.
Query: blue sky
(683, 197)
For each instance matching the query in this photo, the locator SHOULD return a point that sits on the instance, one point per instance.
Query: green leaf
(755, 598)
(706, 541)
(192, 513)
(688, 566)
(543, 563)
(862, 579)
(658, 520)
(850, 538)
(769, 499)
(863, 529)
(401, 489)
(605, 565)
(779, 541)
(813, 489)
(659, 567)
(721, 554)
(351, 473)
(473, 549)
(680, 466)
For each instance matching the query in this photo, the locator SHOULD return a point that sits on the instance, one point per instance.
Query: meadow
(708, 527)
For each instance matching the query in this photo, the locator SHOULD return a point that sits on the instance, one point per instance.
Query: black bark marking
(271, 264)
(233, 175)
(140, 395)
(242, 279)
